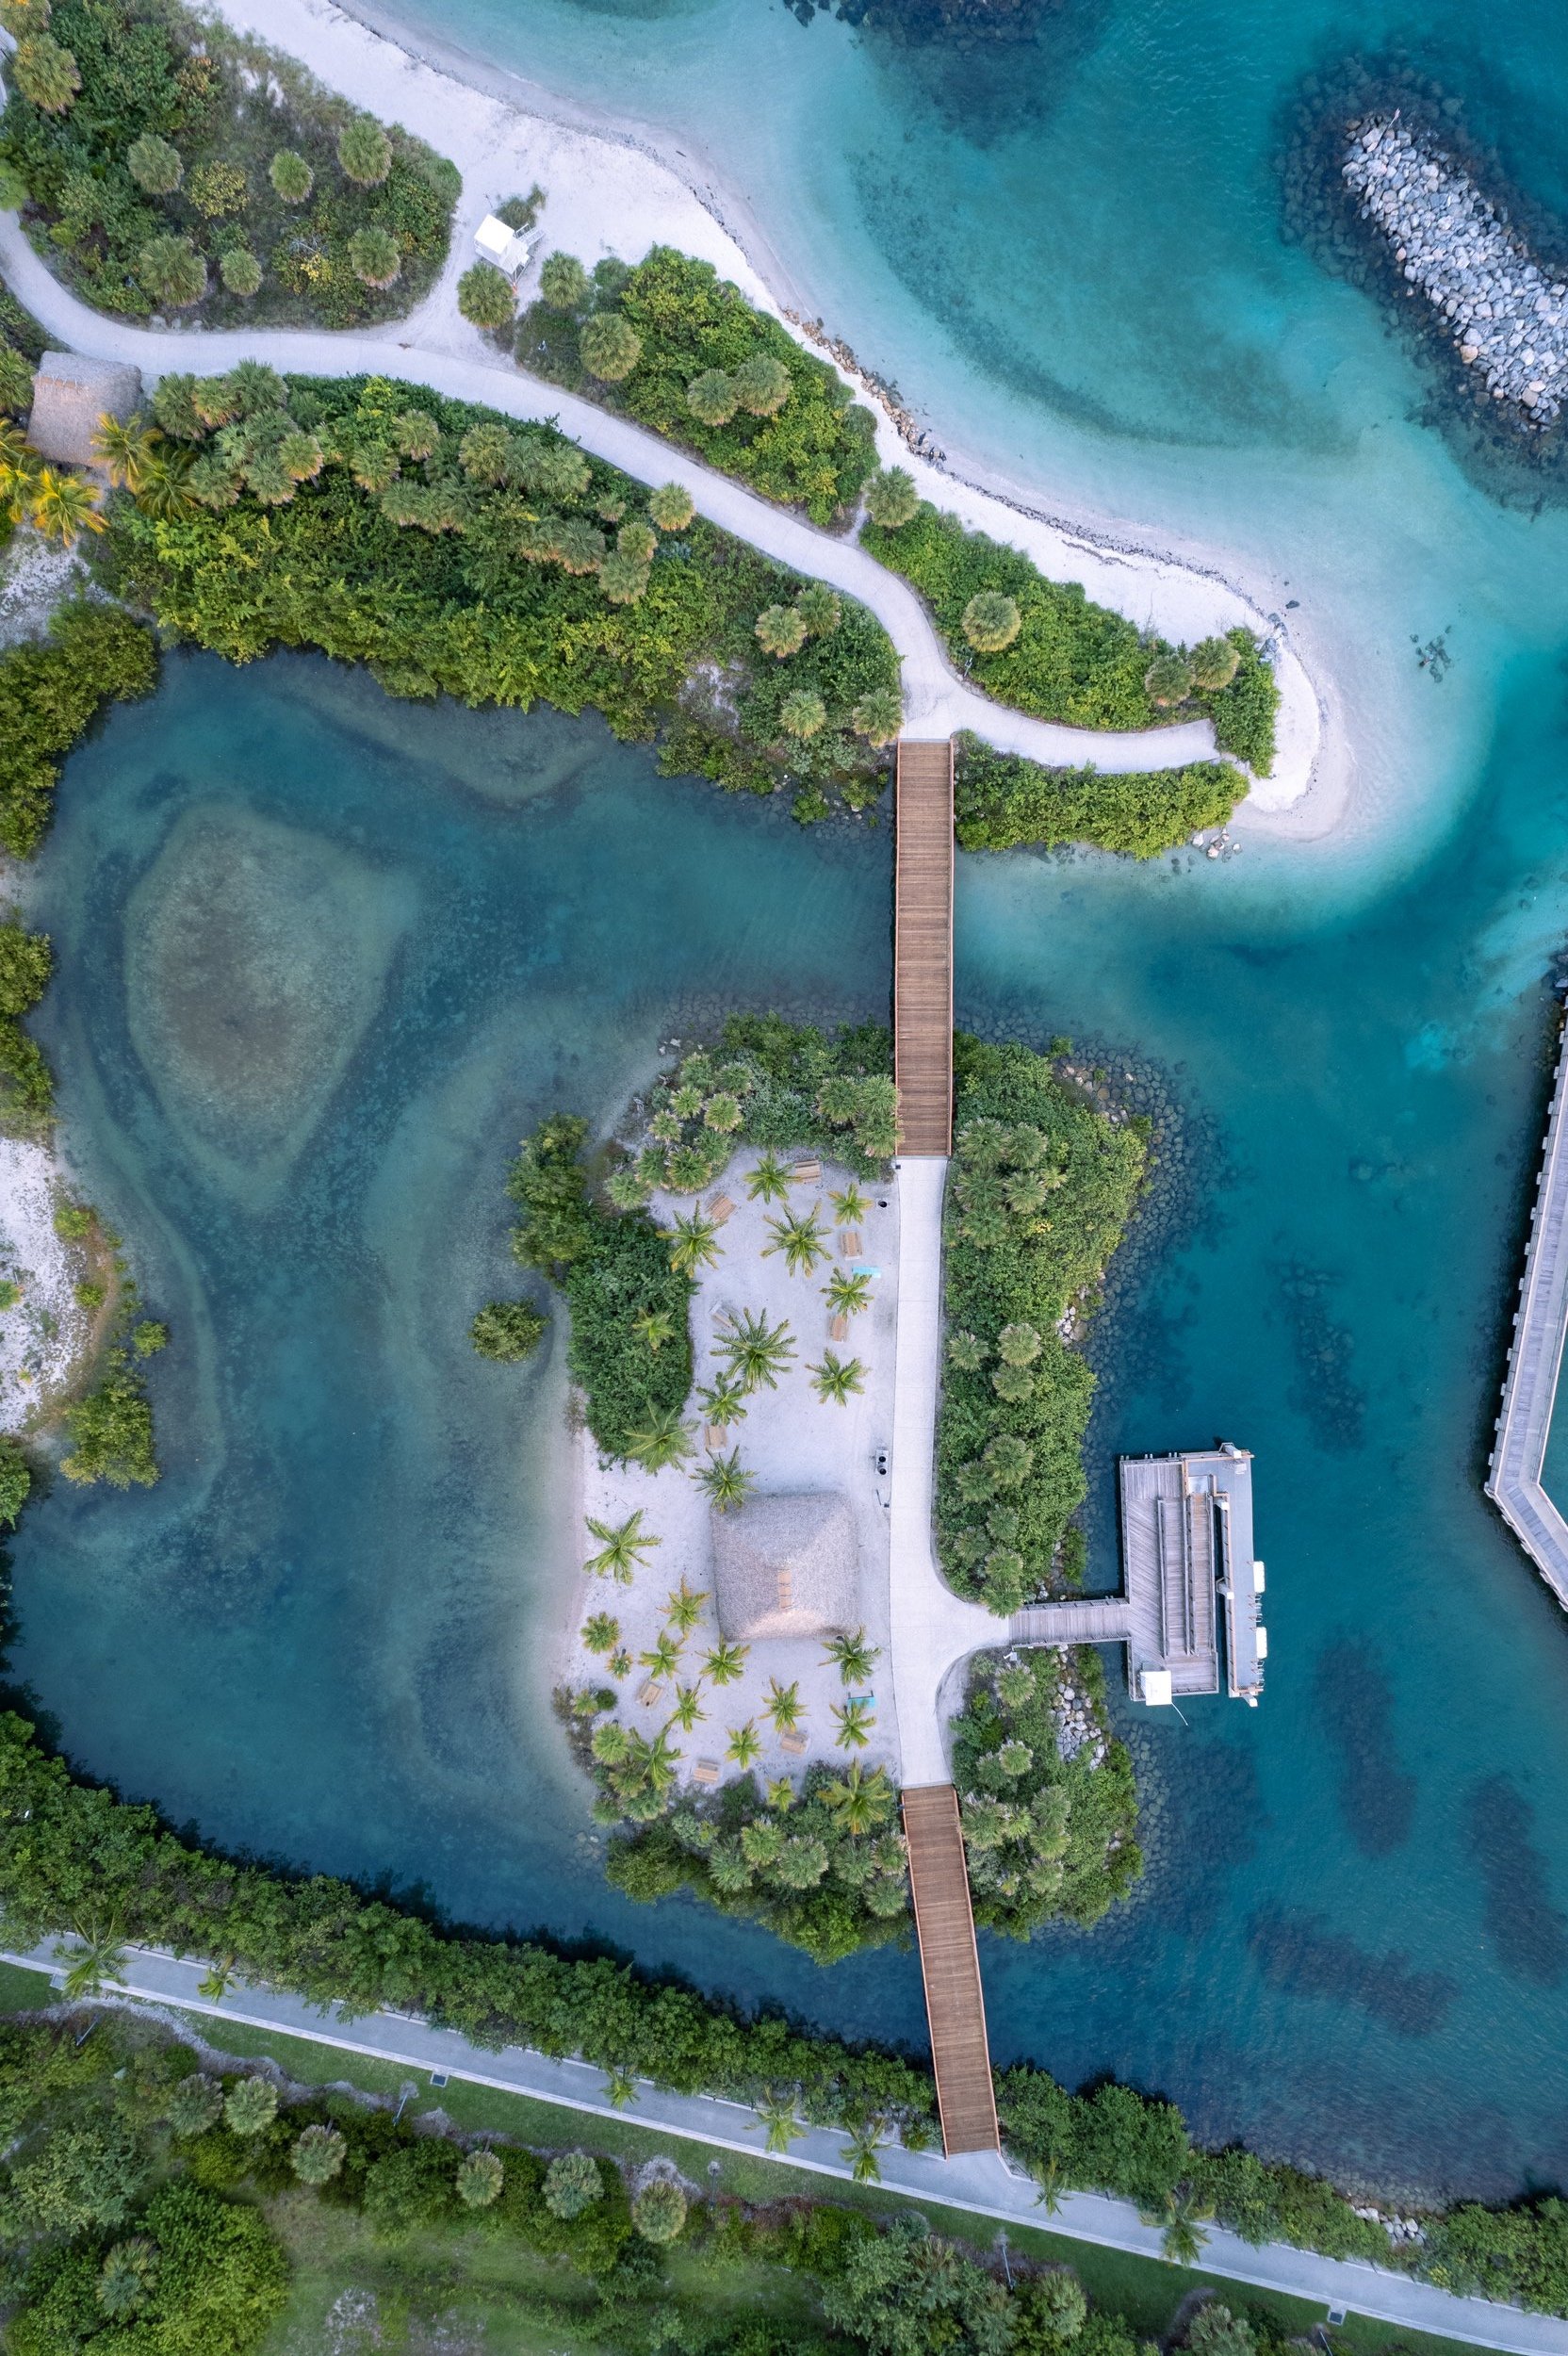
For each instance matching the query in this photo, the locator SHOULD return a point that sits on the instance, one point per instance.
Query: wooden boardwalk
(923, 948)
(950, 1966)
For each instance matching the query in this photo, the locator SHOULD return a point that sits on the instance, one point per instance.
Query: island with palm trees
(730, 1265)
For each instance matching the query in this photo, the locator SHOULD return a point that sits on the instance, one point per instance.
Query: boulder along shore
(1506, 315)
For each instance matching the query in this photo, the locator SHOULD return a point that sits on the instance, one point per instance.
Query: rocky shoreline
(1507, 316)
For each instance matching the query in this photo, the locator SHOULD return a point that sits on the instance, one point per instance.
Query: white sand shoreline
(614, 187)
(1309, 793)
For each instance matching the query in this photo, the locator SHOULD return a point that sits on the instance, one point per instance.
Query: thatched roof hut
(786, 1567)
(70, 395)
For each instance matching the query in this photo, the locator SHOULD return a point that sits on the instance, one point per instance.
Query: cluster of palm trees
(60, 505)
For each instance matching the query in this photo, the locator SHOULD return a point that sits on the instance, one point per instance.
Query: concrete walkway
(937, 701)
(1535, 1363)
(933, 1630)
(981, 2184)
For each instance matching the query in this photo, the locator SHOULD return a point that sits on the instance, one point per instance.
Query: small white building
(507, 248)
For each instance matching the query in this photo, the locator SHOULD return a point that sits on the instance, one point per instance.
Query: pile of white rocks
(1078, 1726)
(1506, 317)
(1408, 2230)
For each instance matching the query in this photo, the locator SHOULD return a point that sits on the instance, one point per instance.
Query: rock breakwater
(1507, 316)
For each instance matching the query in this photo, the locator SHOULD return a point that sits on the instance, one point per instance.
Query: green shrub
(49, 695)
(410, 2189)
(776, 417)
(1040, 1190)
(1070, 660)
(508, 1330)
(212, 2279)
(110, 1432)
(16, 1483)
(1001, 800)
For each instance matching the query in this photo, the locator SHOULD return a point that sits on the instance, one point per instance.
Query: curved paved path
(981, 2182)
(937, 701)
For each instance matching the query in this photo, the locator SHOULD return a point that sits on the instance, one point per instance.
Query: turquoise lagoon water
(328, 957)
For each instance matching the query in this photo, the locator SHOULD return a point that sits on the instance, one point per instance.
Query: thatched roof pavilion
(786, 1567)
(70, 395)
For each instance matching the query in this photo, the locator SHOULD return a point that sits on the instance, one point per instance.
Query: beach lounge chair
(704, 1771)
(794, 1743)
(850, 1246)
(807, 1173)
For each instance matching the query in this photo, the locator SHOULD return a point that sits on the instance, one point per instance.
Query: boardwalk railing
(1535, 1361)
(923, 948)
(950, 1966)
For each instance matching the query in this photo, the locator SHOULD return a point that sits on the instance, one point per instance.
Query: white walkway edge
(933, 1629)
(1535, 1363)
(981, 2184)
(937, 701)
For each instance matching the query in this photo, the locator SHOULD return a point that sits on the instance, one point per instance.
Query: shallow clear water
(323, 1635)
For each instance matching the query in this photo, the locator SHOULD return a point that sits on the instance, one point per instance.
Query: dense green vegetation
(177, 165)
(49, 695)
(90, 1862)
(1045, 1837)
(823, 1867)
(1063, 657)
(22, 347)
(781, 420)
(110, 1430)
(455, 555)
(614, 1268)
(26, 1088)
(150, 2204)
(1001, 800)
(1040, 1190)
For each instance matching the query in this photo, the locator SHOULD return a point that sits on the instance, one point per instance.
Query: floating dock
(1186, 1564)
(1535, 1363)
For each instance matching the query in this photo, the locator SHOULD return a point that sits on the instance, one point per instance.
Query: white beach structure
(507, 248)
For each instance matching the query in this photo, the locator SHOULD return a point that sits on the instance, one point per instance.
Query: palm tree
(654, 1326)
(99, 1956)
(860, 1801)
(724, 1402)
(602, 1631)
(781, 1794)
(662, 1658)
(850, 1206)
(123, 446)
(726, 1480)
(694, 1243)
(656, 1761)
(1051, 2185)
(801, 1239)
(860, 2151)
(662, 1439)
(62, 506)
(991, 621)
(853, 1657)
(688, 1711)
(856, 1720)
(892, 499)
(847, 1291)
(165, 494)
(683, 1607)
(217, 1979)
(1182, 2242)
(769, 1182)
(622, 1547)
(837, 1378)
(758, 1352)
(725, 1663)
(745, 1745)
(783, 1705)
(620, 2086)
(775, 2112)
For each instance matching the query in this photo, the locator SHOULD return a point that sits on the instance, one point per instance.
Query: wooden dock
(1186, 1546)
(1535, 1363)
(950, 1966)
(923, 948)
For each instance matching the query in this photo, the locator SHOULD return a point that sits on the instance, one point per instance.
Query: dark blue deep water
(325, 958)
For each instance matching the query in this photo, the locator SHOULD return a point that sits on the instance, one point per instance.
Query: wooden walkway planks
(950, 1966)
(923, 948)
